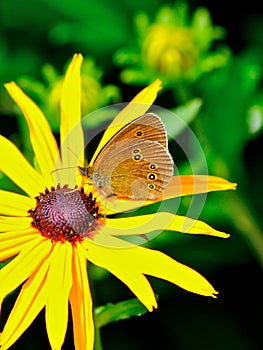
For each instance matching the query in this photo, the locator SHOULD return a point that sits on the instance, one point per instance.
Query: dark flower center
(65, 214)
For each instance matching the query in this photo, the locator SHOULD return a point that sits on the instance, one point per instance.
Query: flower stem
(98, 342)
(245, 222)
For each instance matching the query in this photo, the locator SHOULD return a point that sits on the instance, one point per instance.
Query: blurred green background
(209, 55)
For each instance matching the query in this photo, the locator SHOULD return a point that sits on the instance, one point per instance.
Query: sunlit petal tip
(10, 85)
(157, 84)
(13, 89)
(215, 294)
(74, 66)
(77, 57)
(219, 183)
(233, 186)
(155, 306)
(223, 184)
(225, 235)
(210, 292)
(216, 233)
(148, 94)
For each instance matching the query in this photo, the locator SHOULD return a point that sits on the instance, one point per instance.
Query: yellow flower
(170, 50)
(51, 232)
(174, 45)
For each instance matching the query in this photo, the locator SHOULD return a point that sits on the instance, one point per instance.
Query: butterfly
(135, 163)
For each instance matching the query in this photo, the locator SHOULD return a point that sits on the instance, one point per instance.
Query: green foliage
(173, 46)
(229, 94)
(120, 311)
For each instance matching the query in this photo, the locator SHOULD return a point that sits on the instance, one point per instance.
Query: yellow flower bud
(170, 50)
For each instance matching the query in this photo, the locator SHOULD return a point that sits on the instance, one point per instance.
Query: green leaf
(204, 30)
(81, 21)
(227, 94)
(255, 120)
(116, 312)
(188, 111)
(177, 121)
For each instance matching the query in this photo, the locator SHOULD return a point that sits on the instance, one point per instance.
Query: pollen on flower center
(65, 214)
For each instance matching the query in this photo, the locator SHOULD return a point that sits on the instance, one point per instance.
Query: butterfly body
(135, 163)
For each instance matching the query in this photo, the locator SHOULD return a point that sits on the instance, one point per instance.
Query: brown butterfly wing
(133, 168)
(148, 126)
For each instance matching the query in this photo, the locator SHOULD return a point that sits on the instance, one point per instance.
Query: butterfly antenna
(69, 167)
(70, 150)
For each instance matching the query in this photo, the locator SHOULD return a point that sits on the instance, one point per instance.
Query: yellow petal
(21, 267)
(136, 259)
(158, 222)
(15, 204)
(81, 302)
(58, 285)
(29, 303)
(71, 133)
(157, 264)
(14, 223)
(124, 269)
(42, 139)
(194, 184)
(11, 243)
(18, 169)
(138, 106)
(178, 186)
